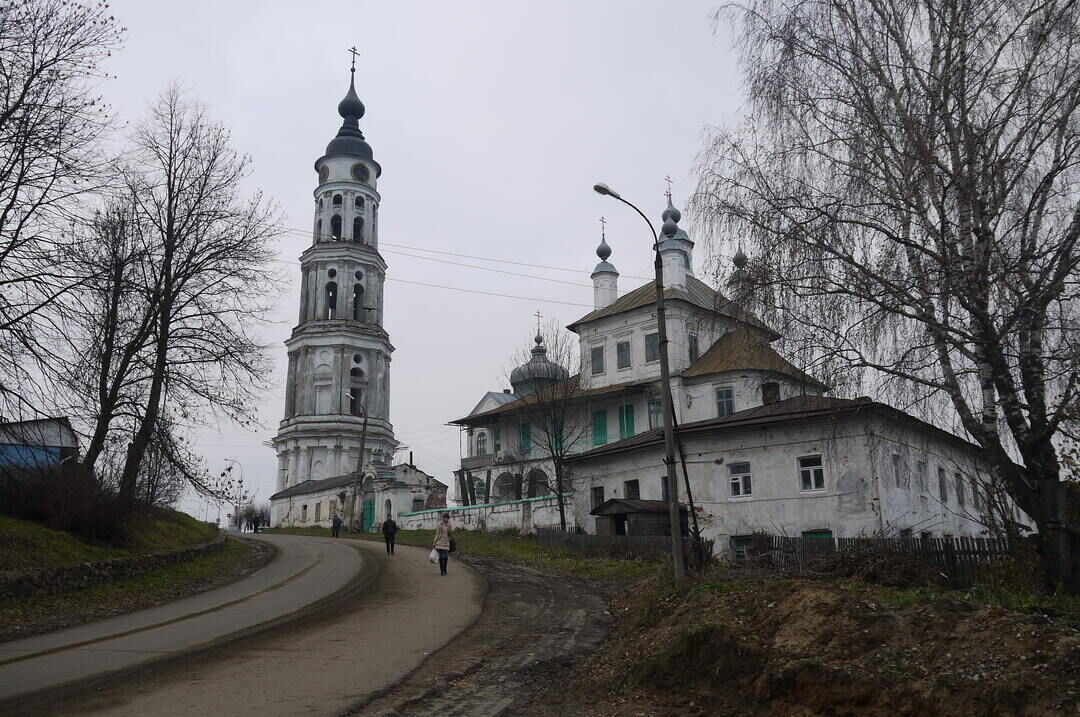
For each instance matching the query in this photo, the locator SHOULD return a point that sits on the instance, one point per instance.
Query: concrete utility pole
(677, 560)
(359, 471)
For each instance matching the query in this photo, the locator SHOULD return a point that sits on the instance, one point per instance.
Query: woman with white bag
(444, 542)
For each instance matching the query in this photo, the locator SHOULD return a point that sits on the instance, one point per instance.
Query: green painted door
(368, 516)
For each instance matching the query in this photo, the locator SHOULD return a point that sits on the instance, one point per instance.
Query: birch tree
(906, 185)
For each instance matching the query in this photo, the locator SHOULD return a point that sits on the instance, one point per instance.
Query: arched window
(331, 299)
(481, 444)
(358, 302)
(318, 231)
(356, 373)
(335, 227)
(388, 508)
(337, 200)
(356, 401)
(320, 203)
(359, 203)
(358, 229)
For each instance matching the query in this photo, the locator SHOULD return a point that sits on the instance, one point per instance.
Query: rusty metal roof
(743, 350)
(697, 292)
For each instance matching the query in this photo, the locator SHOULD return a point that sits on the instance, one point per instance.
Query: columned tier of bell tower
(337, 394)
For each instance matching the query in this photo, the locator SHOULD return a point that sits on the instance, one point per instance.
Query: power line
(530, 265)
(490, 293)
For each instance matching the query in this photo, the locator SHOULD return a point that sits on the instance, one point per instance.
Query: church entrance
(368, 516)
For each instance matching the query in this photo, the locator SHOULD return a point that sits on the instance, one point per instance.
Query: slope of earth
(800, 647)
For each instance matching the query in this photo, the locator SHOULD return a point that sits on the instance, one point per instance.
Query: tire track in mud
(533, 629)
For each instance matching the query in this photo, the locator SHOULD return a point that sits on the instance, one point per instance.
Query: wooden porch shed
(628, 516)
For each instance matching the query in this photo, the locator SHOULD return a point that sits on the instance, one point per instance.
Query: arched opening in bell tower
(331, 299)
(356, 401)
(358, 302)
(335, 227)
(358, 229)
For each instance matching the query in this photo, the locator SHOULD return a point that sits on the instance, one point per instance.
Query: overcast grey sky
(491, 120)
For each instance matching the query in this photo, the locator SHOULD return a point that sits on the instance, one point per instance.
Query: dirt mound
(788, 647)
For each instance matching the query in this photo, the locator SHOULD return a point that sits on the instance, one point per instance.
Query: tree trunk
(559, 494)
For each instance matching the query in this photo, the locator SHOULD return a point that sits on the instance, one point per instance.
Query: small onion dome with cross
(538, 372)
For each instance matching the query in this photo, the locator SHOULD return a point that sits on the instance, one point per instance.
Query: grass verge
(25, 616)
(25, 544)
(523, 550)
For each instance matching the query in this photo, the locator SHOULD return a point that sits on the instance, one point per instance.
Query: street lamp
(665, 378)
(237, 497)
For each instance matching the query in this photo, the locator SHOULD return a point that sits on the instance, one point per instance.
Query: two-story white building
(763, 448)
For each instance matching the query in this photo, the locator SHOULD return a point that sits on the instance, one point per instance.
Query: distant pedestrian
(336, 523)
(389, 532)
(444, 537)
(255, 523)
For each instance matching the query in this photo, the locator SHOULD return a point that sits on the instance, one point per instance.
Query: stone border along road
(514, 661)
(318, 665)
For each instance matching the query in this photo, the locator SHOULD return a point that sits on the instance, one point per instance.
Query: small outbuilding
(631, 516)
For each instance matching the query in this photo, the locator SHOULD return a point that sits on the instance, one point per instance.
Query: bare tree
(205, 251)
(553, 408)
(906, 183)
(50, 124)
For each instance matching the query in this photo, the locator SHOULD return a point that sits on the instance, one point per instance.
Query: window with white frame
(622, 354)
(481, 444)
(725, 401)
(597, 360)
(740, 480)
(811, 473)
(652, 347)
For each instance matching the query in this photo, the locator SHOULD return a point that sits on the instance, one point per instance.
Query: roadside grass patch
(523, 550)
(31, 615)
(25, 544)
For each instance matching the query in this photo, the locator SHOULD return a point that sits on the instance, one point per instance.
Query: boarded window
(597, 497)
(599, 428)
(896, 470)
(652, 347)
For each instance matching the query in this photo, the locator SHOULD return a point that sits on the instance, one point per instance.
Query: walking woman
(444, 537)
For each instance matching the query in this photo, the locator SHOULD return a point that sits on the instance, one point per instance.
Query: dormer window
(770, 393)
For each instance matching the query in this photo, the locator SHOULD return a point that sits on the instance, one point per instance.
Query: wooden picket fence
(625, 547)
(961, 561)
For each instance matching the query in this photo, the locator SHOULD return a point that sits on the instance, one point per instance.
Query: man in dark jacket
(389, 530)
(335, 524)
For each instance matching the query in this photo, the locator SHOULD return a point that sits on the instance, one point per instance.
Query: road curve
(305, 571)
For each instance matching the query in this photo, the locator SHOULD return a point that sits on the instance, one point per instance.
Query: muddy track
(533, 629)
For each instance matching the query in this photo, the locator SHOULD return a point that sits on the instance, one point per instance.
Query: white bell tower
(339, 353)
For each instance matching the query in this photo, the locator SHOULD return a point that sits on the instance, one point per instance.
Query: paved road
(319, 665)
(306, 571)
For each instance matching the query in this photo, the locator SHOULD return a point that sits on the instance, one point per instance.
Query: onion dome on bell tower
(605, 277)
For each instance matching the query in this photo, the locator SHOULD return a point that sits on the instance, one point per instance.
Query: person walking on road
(335, 525)
(255, 523)
(389, 532)
(444, 537)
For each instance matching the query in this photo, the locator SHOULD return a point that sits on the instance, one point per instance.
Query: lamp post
(665, 378)
(237, 497)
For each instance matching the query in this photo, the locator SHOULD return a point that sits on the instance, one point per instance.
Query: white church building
(336, 432)
(763, 447)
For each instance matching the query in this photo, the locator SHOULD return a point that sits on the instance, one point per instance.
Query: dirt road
(514, 659)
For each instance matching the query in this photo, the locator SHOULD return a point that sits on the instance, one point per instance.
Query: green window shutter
(526, 437)
(626, 421)
(599, 428)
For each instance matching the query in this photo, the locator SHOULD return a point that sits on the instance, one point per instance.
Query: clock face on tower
(360, 172)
